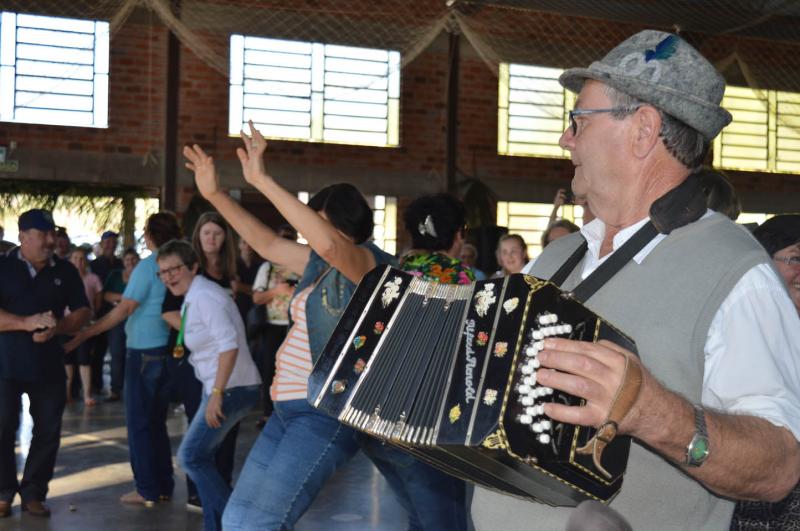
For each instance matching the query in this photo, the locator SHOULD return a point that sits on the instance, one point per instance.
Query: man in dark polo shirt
(36, 288)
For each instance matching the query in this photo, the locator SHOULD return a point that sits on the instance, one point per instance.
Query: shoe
(113, 397)
(193, 505)
(89, 402)
(134, 498)
(5, 509)
(36, 508)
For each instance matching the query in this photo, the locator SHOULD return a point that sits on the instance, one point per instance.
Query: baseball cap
(36, 218)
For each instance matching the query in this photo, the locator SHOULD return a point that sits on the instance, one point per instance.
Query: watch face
(698, 450)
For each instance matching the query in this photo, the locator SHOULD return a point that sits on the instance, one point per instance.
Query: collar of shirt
(594, 232)
(32, 270)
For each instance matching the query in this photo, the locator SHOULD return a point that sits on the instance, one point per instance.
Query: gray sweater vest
(666, 304)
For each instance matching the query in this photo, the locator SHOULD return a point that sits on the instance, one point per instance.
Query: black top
(102, 266)
(247, 275)
(56, 287)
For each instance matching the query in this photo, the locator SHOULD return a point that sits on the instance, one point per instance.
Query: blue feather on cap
(664, 49)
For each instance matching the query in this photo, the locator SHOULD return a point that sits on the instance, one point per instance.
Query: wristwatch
(698, 450)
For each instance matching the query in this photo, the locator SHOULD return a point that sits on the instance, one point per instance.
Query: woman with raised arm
(299, 448)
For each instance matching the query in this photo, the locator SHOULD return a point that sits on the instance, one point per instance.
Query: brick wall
(137, 124)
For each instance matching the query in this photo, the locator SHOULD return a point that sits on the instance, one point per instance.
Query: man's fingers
(575, 362)
(578, 415)
(580, 386)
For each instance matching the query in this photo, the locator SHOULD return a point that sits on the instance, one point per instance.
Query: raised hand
(252, 155)
(205, 174)
(560, 198)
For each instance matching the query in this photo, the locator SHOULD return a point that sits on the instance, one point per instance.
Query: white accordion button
(539, 345)
(540, 409)
(537, 427)
(544, 438)
(546, 425)
(524, 389)
(537, 334)
(524, 419)
(526, 369)
(543, 319)
(527, 400)
(531, 351)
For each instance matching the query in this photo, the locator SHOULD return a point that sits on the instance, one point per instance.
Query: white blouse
(213, 326)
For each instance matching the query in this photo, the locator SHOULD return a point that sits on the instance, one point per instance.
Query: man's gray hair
(682, 142)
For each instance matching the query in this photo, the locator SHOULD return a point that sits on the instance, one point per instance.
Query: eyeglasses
(168, 272)
(583, 112)
(788, 260)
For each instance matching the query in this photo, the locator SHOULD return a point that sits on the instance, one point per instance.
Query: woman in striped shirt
(299, 448)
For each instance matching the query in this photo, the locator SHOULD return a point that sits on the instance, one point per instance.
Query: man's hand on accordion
(597, 373)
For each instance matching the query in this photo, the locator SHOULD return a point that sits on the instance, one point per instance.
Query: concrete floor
(92, 472)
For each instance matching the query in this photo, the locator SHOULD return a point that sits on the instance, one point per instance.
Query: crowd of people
(714, 311)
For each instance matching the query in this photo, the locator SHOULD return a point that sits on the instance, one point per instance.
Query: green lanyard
(178, 351)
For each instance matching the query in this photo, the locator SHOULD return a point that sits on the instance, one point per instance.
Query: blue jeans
(116, 345)
(299, 449)
(196, 455)
(146, 403)
(434, 500)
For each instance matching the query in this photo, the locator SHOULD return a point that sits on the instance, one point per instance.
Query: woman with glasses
(146, 375)
(299, 448)
(214, 243)
(213, 329)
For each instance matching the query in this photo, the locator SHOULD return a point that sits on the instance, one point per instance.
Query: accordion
(448, 373)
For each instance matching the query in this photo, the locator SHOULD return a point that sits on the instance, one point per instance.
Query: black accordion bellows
(448, 373)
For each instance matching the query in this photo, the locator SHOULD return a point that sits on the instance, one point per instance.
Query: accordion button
(527, 400)
(543, 319)
(567, 328)
(536, 427)
(539, 345)
(338, 386)
(527, 369)
(546, 424)
(535, 363)
(524, 419)
(553, 318)
(524, 389)
(530, 351)
(544, 438)
(540, 409)
(530, 411)
(537, 334)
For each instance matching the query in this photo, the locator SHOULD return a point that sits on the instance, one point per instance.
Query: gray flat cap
(664, 70)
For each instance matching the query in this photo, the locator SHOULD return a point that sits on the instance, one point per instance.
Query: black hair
(447, 218)
(346, 209)
(162, 227)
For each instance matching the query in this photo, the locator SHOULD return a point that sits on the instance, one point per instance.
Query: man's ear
(647, 130)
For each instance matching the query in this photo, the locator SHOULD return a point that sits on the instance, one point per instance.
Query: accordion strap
(622, 403)
(607, 269)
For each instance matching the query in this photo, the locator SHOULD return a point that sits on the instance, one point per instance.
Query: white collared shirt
(213, 326)
(752, 352)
